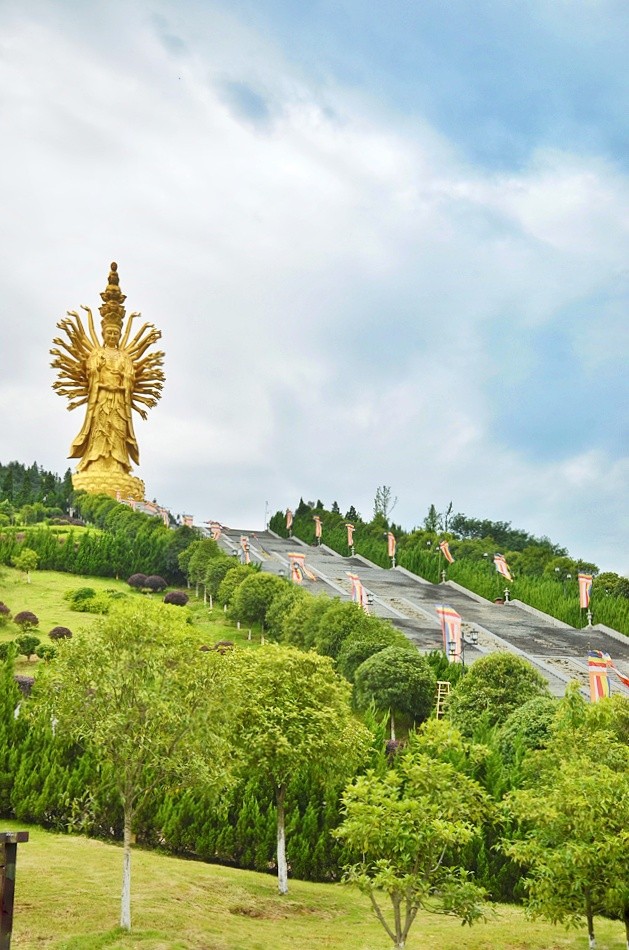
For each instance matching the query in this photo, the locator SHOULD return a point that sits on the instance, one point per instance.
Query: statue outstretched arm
(90, 318)
(70, 359)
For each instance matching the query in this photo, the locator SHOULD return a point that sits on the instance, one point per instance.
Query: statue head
(111, 335)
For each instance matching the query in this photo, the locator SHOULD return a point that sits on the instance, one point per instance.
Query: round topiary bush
(177, 597)
(26, 644)
(60, 633)
(155, 582)
(4, 610)
(137, 580)
(45, 652)
(26, 619)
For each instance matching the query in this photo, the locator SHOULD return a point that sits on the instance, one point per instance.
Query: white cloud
(326, 281)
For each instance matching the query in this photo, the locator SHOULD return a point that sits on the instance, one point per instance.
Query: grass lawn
(67, 898)
(44, 597)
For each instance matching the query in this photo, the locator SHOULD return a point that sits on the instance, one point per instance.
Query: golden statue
(111, 378)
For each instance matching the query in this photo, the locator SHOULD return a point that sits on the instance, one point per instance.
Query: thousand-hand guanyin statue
(110, 378)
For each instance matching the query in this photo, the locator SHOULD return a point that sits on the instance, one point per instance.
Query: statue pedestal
(109, 483)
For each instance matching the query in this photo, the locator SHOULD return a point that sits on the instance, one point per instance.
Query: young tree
(432, 521)
(572, 815)
(400, 827)
(26, 561)
(139, 695)
(384, 502)
(396, 680)
(296, 721)
(574, 846)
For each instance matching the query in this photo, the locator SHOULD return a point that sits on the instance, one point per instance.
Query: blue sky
(384, 244)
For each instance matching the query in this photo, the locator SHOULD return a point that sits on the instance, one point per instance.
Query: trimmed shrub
(60, 633)
(177, 597)
(155, 582)
(137, 580)
(79, 595)
(86, 600)
(26, 644)
(26, 619)
(45, 652)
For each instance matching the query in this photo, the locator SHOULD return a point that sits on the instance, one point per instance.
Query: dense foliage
(122, 543)
(31, 492)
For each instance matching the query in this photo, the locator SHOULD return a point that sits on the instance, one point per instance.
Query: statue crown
(111, 310)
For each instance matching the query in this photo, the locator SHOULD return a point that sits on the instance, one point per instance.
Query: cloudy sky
(384, 243)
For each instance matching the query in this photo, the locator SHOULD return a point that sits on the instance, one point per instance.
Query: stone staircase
(556, 649)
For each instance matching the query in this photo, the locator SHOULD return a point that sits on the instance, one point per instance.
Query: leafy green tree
(300, 624)
(138, 693)
(492, 689)
(528, 728)
(336, 624)
(232, 580)
(202, 554)
(364, 642)
(296, 720)
(574, 843)
(216, 571)
(396, 680)
(281, 607)
(403, 829)
(26, 561)
(572, 814)
(253, 598)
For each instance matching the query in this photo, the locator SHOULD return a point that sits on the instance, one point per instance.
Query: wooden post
(8, 857)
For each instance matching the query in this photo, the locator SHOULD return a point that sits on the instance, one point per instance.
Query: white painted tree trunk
(589, 916)
(392, 727)
(282, 867)
(125, 899)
